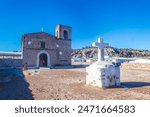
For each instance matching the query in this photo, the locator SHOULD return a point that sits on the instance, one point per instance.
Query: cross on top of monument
(100, 44)
(42, 29)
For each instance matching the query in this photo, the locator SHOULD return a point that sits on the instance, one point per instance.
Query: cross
(100, 44)
(42, 29)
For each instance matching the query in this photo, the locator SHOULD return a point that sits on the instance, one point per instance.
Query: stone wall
(31, 57)
(10, 62)
(53, 47)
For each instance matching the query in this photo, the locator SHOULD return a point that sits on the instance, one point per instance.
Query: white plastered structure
(101, 73)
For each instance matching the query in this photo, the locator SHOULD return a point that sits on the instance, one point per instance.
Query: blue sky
(122, 23)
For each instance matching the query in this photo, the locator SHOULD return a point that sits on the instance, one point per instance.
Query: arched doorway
(43, 60)
(43, 55)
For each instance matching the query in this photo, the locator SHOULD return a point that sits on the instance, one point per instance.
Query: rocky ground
(69, 84)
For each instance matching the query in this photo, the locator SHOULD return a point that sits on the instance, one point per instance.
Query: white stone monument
(101, 73)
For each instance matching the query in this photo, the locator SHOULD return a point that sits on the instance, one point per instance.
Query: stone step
(44, 68)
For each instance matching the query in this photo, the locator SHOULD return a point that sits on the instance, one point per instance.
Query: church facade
(44, 50)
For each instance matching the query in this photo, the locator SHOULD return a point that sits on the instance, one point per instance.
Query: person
(25, 67)
(43, 62)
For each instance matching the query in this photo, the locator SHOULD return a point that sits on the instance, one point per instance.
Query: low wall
(10, 62)
(137, 66)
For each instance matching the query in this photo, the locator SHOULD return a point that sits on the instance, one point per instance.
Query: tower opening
(65, 34)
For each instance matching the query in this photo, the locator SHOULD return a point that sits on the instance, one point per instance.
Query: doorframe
(38, 58)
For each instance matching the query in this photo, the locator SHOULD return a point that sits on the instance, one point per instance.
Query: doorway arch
(43, 59)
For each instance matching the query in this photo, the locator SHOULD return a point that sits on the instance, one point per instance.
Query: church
(44, 50)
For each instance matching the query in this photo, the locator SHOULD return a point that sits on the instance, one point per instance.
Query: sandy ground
(69, 84)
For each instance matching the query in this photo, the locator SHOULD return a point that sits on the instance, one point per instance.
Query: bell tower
(63, 32)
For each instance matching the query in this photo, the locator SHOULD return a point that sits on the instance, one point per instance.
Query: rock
(111, 51)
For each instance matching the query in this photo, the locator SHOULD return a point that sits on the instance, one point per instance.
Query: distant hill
(90, 52)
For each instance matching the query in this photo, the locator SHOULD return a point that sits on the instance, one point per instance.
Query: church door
(43, 60)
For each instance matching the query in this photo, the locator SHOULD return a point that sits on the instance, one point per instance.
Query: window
(65, 34)
(42, 45)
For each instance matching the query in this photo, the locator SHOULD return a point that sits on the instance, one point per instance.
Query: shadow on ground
(15, 87)
(135, 84)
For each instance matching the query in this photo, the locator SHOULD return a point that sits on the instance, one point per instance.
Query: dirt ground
(69, 84)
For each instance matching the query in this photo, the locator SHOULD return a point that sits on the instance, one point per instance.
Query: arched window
(65, 34)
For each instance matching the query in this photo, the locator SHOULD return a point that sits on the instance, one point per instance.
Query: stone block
(103, 74)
